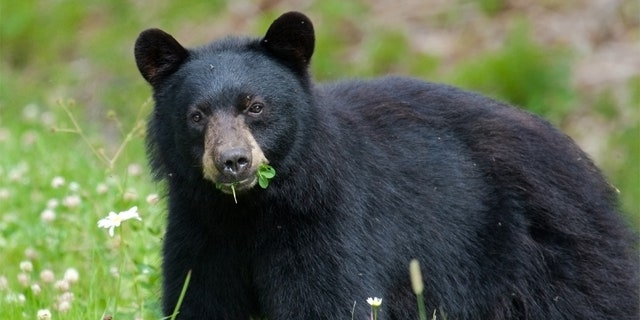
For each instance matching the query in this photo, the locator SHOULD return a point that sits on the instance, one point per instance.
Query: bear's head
(224, 109)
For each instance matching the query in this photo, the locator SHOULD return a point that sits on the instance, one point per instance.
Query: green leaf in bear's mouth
(233, 190)
(232, 186)
(265, 173)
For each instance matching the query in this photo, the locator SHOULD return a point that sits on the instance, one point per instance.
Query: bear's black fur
(508, 217)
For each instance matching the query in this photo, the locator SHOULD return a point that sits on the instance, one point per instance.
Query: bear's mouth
(237, 186)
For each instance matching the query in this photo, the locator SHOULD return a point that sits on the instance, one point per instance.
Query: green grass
(58, 56)
(54, 190)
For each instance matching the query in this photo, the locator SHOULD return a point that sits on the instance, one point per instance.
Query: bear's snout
(231, 154)
(234, 163)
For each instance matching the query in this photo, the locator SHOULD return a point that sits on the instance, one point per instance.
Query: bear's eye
(196, 117)
(255, 108)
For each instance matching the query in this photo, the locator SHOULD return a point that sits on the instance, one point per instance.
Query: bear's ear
(158, 55)
(291, 38)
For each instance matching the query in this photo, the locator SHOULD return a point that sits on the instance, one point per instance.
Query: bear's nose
(234, 162)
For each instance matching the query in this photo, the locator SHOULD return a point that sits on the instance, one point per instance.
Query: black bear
(508, 217)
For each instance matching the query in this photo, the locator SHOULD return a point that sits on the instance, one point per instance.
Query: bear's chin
(237, 187)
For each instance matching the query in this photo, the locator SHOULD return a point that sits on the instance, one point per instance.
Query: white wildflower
(74, 186)
(47, 276)
(72, 201)
(71, 275)
(153, 198)
(24, 279)
(26, 266)
(15, 298)
(130, 195)
(31, 253)
(4, 194)
(114, 220)
(102, 188)
(134, 169)
(62, 285)
(64, 306)
(57, 182)
(52, 203)
(374, 302)
(48, 215)
(4, 283)
(44, 314)
(36, 289)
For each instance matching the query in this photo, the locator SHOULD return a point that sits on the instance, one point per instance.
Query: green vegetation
(265, 173)
(72, 118)
(522, 72)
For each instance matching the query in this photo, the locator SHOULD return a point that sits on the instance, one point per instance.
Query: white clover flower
(134, 169)
(71, 275)
(47, 118)
(36, 289)
(4, 283)
(16, 174)
(102, 188)
(57, 182)
(62, 285)
(47, 276)
(114, 272)
(4, 194)
(48, 215)
(24, 279)
(64, 306)
(130, 195)
(26, 266)
(153, 198)
(67, 296)
(30, 112)
(15, 298)
(374, 302)
(31, 253)
(74, 186)
(44, 314)
(52, 203)
(114, 220)
(72, 201)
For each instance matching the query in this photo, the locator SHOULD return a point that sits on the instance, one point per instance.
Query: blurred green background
(575, 62)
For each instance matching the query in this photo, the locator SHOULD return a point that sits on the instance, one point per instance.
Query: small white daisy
(374, 302)
(114, 220)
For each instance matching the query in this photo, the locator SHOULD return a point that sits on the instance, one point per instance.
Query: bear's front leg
(308, 274)
(218, 288)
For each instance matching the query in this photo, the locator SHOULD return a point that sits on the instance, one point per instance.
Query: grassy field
(73, 110)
